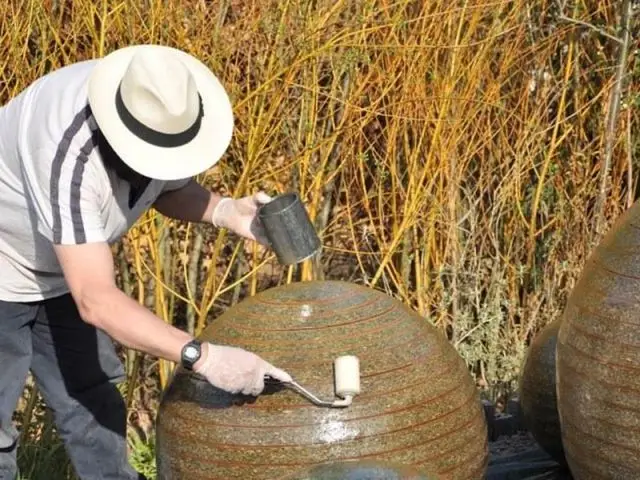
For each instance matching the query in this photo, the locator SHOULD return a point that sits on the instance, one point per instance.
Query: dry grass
(449, 152)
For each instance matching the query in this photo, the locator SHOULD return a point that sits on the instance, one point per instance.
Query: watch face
(191, 352)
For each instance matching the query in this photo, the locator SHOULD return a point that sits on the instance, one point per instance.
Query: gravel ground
(509, 445)
(514, 453)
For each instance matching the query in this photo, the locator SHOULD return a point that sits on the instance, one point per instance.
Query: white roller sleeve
(347, 372)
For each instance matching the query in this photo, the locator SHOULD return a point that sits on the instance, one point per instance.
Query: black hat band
(149, 135)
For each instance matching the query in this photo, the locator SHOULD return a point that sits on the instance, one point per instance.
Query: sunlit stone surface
(361, 470)
(598, 358)
(418, 406)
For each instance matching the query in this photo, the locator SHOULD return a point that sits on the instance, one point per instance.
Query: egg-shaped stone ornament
(598, 355)
(417, 403)
(538, 392)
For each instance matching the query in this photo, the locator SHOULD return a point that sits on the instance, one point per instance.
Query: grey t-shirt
(54, 187)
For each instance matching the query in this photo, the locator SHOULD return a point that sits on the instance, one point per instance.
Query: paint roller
(346, 371)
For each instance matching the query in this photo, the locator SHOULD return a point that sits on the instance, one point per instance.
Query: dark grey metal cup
(289, 230)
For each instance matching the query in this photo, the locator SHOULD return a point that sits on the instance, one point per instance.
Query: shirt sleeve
(65, 197)
(171, 185)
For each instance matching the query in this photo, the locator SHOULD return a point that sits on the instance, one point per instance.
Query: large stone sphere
(598, 357)
(538, 397)
(361, 470)
(418, 404)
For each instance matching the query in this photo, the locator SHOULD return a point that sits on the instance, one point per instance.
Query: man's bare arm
(89, 272)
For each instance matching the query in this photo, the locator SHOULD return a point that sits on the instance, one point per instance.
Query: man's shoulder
(56, 118)
(57, 144)
(66, 78)
(39, 115)
(52, 102)
(65, 82)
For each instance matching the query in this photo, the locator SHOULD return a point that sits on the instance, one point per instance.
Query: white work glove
(239, 216)
(237, 371)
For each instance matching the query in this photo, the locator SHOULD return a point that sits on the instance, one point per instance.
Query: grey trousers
(76, 369)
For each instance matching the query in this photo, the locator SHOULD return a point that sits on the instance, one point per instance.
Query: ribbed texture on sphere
(538, 392)
(598, 357)
(418, 404)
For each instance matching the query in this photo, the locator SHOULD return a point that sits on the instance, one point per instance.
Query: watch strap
(191, 353)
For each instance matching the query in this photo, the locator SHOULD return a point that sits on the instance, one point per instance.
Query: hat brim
(162, 163)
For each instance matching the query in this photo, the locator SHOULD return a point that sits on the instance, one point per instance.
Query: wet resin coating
(361, 470)
(418, 404)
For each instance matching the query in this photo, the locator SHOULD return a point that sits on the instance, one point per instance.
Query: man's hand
(236, 370)
(194, 203)
(240, 216)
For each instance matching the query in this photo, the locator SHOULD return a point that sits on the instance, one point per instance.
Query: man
(84, 152)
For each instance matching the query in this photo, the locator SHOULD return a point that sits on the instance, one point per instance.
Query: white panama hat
(165, 114)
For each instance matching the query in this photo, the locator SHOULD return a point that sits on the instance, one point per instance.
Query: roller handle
(347, 383)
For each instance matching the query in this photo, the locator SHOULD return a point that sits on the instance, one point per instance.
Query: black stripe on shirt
(76, 183)
(83, 117)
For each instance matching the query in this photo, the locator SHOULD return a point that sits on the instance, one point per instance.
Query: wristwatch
(191, 353)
